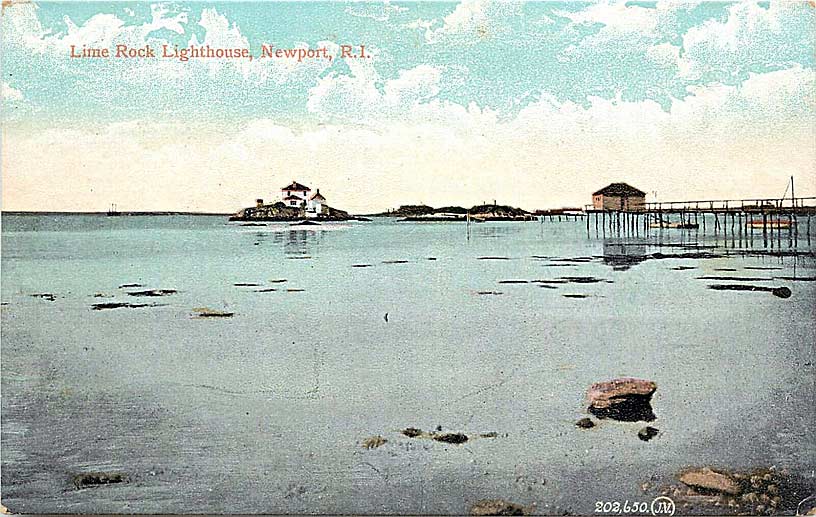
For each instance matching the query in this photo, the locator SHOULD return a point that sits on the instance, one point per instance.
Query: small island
(478, 213)
(297, 203)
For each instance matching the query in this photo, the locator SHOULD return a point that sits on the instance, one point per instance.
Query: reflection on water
(299, 243)
(622, 254)
(631, 245)
(495, 230)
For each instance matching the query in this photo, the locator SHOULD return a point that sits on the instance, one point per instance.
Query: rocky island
(296, 204)
(478, 213)
(280, 212)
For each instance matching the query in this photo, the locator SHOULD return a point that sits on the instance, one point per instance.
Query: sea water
(385, 325)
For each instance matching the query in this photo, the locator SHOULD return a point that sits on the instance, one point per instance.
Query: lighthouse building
(296, 195)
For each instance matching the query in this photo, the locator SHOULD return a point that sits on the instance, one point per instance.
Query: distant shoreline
(118, 214)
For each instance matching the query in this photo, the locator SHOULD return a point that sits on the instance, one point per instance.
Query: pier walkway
(768, 217)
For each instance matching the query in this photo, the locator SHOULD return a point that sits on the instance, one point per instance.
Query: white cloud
(101, 30)
(356, 98)
(470, 22)
(722, 141)
(751, 37)
(380, 12)
(616, 17)
(10, 93)
(107, 30)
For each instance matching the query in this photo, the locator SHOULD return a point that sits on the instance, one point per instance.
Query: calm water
(265, 411)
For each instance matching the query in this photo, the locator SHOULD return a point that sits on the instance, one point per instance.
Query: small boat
(678, 226)
(771, 223)
(112, 210)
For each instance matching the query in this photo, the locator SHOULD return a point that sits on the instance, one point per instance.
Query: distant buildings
(296, 195)
(618, 196)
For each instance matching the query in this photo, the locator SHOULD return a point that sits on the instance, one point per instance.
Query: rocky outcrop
(280, 212)
(458, 213)
(499, 213)
(647, 433)
(92, 479)
(710, 480)
(455, 438)
(624, 399)
(759, 491)
(497, 507)
(374, 442)
(585, 423)
(410, 211)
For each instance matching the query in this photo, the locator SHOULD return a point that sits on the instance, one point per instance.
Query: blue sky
(619, 80)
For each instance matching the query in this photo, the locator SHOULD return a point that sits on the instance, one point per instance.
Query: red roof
(293, 198)
(296, 186)
(317, 195)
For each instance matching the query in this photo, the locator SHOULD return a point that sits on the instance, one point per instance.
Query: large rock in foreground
(625, 399)
(711, 481)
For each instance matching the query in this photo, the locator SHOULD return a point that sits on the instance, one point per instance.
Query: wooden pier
(772, 219)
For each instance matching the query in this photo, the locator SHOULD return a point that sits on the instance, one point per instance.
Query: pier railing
(805, 204)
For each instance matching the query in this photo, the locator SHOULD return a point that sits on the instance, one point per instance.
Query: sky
(534, 104)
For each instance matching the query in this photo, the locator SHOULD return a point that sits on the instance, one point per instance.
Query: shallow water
(265, 411)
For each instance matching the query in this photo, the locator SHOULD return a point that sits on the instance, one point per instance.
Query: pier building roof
(619, 189)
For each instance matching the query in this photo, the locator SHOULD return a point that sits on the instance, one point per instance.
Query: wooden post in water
(765, 228)
(739, 227)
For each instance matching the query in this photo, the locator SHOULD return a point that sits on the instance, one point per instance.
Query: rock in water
(647, 433)
(374, 442)
(709, 480)
(91, 479)
(624, 399)
(585, 423)
(609, 393)
(455, 438)
(781, 292)
(496, 507)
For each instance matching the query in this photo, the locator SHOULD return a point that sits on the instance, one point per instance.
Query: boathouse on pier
(619, 196)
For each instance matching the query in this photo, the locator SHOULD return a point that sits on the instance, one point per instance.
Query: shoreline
(296, 220)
